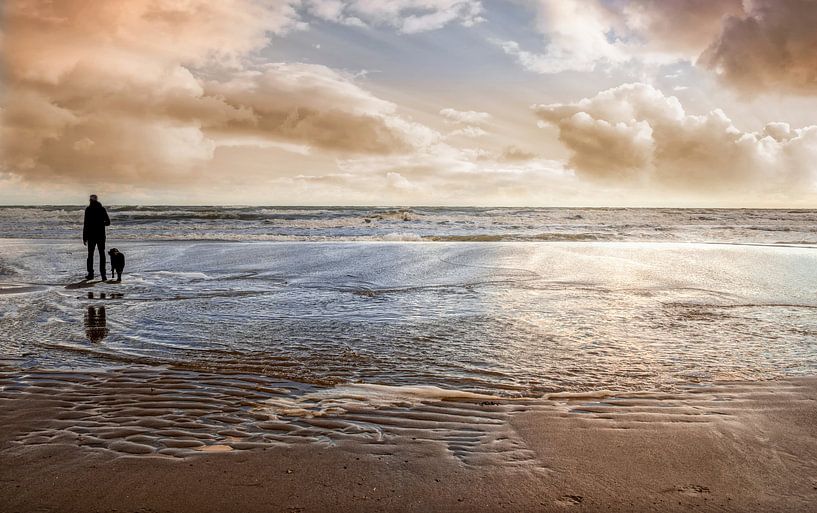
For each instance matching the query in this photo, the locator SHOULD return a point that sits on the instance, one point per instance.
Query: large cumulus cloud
(772, 46)
(146, 90)
(635, 134)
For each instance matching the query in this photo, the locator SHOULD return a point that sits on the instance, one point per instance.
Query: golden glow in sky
(423, 102)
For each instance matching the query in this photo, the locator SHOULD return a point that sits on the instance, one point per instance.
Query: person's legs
(101, 245)
(90, 261)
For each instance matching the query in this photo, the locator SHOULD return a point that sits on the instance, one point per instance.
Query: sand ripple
(145, 411)
(177, 413)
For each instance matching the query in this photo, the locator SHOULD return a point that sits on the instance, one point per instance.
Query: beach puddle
(14, 288)
(214, 448)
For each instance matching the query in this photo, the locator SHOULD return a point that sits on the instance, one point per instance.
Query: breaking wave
(430, 224)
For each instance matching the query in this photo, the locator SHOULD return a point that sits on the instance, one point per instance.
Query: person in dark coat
(93, 235)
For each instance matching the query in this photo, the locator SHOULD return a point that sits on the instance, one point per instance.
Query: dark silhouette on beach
(93, 235)
(117, 263)
(96, 323)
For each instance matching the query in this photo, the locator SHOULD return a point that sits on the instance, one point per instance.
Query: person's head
(93, 198)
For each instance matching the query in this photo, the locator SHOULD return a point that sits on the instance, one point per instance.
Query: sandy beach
(731, 447)
(426, 256)
(223, 376)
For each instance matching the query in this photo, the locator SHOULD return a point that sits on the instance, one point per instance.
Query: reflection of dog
(117, 263)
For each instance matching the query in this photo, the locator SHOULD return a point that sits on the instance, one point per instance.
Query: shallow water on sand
(502, 319)
(222, 346)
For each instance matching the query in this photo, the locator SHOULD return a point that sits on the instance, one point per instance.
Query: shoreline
(748, 446)
(486, 239)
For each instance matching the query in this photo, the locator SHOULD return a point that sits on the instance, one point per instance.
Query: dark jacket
(96, 219)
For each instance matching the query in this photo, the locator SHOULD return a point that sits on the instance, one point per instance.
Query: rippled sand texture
(136, 440)
(142, 411)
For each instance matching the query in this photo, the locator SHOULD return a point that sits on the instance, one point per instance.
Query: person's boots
(89, 276)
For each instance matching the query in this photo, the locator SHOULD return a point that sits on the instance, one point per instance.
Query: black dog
(117, 263)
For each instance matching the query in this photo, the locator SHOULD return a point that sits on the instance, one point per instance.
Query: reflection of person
(93, 235)
(96, 324)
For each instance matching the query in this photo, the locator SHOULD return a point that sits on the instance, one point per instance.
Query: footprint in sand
(692, 490)
(570, 500)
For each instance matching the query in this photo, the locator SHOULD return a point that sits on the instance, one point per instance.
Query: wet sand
(366, 377)
(730, 447)
(12, 288)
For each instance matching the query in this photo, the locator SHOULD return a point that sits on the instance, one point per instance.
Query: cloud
(577, 37)
(147, 90)
(773, 46)
(315, 105)
(444, 174)
(408, 16)
(753, 45)
(634, 134)
(516, 154)
(469, 131)
(683, 28)
(469, 122)
(467, 117)
(45, 39)
(581, 35)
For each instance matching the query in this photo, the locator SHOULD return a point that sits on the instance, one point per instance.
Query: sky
(678, 103)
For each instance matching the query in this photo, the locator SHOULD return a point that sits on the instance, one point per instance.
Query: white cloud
(470, 122)
(635, 134)
(408, 16)
(469, 131)
(580, 35)
(468, 117)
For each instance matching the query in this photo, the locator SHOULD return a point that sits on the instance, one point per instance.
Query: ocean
(301, 313)
(440, 224)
